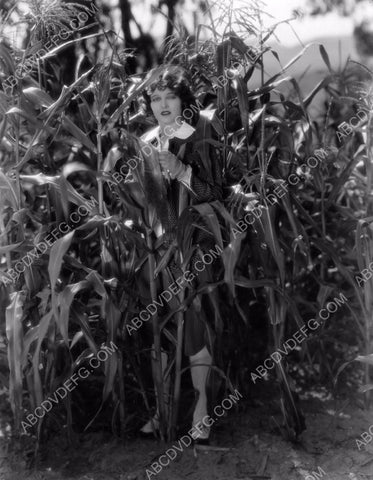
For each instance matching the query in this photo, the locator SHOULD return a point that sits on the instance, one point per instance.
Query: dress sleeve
(205, 186)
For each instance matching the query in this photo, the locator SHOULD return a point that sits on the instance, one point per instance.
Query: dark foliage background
(74, 121)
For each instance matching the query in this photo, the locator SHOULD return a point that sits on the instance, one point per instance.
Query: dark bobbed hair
(175, 78)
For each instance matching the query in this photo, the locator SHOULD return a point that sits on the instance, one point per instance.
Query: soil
(245, 444)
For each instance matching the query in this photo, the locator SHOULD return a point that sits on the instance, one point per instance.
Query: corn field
(293, 232)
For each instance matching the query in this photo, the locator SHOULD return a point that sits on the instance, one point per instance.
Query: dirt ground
(245, 444)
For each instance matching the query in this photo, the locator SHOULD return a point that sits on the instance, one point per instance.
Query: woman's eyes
(169, 97)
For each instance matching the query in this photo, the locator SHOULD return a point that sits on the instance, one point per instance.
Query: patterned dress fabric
(205, 186)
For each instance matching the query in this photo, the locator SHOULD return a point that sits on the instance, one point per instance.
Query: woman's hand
(171, 165)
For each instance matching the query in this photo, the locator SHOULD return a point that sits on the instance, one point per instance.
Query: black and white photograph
(186, 240)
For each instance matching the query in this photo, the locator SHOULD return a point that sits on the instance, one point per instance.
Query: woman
(189, 180)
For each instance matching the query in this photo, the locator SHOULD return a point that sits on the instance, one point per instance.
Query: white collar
(150, 135)
(183, 132)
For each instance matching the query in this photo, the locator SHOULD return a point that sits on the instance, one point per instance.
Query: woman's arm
(203, 179)
(205, 187)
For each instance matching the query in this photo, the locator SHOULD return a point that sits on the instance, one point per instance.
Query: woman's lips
(166, 112)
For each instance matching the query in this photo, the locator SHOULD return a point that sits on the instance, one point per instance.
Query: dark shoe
(201, 434)
(151, 428)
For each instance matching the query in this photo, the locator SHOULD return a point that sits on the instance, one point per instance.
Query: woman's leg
(200, 366)
(143, 285)
(153, 424)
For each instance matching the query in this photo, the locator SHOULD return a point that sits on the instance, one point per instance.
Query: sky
(336, 31)
(308, 28)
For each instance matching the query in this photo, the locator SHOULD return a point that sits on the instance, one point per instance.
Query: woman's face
(166, 106)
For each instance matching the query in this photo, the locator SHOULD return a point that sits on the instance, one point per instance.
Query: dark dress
(206, 186)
